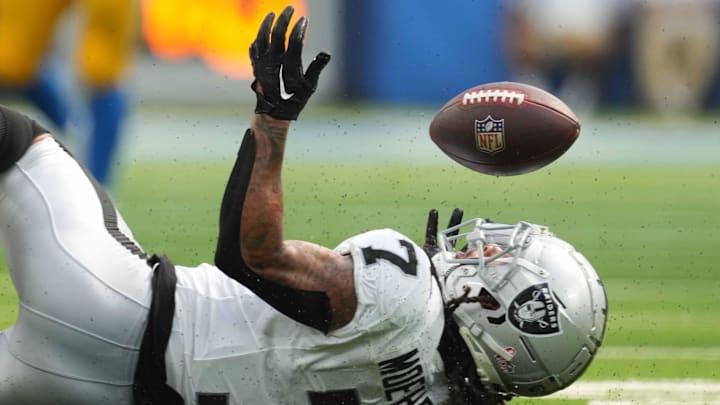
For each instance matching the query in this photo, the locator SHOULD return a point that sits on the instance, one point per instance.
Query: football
(504, 128)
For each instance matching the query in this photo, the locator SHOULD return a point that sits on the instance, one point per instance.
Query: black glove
(283, 97)
(431, 229)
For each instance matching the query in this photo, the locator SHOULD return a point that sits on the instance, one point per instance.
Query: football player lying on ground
(276, 321)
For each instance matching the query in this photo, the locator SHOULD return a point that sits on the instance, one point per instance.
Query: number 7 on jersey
(408, 267)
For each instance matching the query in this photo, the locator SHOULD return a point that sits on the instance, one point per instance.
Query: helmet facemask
(524, 336)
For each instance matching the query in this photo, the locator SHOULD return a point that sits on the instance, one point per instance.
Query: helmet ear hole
(487, 301)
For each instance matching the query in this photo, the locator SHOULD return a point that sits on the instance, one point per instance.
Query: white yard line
(655, 401)
(646, 392)
(643, 392)
(659, 353)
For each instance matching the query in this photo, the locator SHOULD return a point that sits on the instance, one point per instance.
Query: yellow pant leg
(107, 40)
(26, 29)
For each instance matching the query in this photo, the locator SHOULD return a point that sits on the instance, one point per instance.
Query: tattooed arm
(307, 282)
(295, 264)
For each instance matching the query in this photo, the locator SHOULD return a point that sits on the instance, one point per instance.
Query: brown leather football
(504, 128)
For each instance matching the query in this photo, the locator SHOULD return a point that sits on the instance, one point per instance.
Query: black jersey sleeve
(311, 308)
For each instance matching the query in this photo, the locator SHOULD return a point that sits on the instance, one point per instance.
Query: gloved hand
(281, 86)
(431, 229)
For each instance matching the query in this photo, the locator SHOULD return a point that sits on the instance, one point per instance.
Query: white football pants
(83, 295)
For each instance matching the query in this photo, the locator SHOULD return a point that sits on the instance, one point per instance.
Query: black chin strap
(464, 383)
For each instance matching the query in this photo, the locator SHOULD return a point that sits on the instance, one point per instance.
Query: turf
(651, 233)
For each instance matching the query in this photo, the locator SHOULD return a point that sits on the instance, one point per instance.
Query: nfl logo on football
(490, 135)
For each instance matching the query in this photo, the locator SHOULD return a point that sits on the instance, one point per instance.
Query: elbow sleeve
(16, 134)
(227, 252)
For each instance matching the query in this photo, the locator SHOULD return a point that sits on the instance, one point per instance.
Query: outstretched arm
(261, 234)
(308, 282)
(296, 264)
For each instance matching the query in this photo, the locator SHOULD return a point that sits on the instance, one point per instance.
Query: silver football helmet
(532, 314)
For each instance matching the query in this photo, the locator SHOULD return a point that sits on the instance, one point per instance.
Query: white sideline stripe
(643, 392)
(654, 401)
(659, 353)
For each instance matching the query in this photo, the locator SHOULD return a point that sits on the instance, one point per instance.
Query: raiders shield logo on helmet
(534, 311)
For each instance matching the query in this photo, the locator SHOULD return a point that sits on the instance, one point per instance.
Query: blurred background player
(675, 54)
(658, 55)
(564, 47)
(105, 41)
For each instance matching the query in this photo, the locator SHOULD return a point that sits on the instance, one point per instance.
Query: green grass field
(652, 234)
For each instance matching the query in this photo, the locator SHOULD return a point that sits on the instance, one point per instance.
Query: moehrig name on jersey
(403, 380)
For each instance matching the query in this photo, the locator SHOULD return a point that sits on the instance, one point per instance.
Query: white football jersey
(230, 347)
